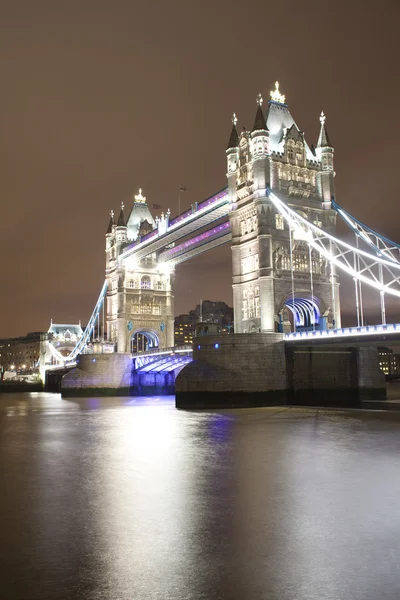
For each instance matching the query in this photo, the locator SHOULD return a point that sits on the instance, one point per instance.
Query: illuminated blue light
(346, 331)
(93, 360)
(305, 311)
(216, 346)
(198, 347)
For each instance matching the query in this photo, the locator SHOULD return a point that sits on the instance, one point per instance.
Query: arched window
(299, 151)
(145, 283)
(290, 150)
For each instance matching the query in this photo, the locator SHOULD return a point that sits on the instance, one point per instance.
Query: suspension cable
(292, 276)
(360, 286)
(312, 285)
(332, 266)
(356, 290)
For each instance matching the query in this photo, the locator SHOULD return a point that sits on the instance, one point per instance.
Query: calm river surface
(130, 499)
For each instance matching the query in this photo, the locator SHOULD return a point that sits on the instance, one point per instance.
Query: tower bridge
(279, 213)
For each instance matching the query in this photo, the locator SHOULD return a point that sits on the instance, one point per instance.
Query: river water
(130, 499)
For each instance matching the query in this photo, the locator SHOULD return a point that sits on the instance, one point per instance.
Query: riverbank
(20, 387)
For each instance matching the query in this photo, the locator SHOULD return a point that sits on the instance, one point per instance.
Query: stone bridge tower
(275, 154)
(140, 301)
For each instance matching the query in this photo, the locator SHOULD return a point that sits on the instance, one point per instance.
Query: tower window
(159, 285)
(145, 283)
(245, 310)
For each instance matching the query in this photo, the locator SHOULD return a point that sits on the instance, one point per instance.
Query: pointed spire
(259, 122)
(323, 140)
(234, 139)
(111, 222)
(121, 219)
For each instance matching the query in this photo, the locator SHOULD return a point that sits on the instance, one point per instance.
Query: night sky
(101, 98)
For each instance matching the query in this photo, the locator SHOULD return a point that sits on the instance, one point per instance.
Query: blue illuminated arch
(306, 312)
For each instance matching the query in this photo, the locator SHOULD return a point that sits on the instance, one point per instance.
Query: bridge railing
(160, 351)
(344, 332)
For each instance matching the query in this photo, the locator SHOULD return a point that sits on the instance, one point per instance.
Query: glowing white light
(276, 96)
(132, 263)
(164, 268)
(346, 332)
(297, 220)
(139, 198)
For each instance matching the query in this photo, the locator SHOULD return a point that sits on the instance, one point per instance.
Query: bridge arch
(301, 312)
(143, 339)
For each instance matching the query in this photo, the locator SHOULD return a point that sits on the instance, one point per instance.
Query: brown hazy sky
(101, 97)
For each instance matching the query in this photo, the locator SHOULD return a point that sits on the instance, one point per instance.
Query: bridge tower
(278, 282)
(140, 301)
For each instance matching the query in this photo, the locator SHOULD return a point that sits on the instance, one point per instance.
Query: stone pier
(243, 370)
(99, 375)
(233, 371)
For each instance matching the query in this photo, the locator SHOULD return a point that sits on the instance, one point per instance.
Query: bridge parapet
(141, 359)
(347, 334)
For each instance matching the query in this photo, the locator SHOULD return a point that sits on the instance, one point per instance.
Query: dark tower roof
(259, 122)
(111, 223)
(323, 140)
(234, 139)
(121, 219)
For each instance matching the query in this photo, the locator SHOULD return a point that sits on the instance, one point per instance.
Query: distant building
(217, 312)
(214, 312)
(184, 329)
(21, 354)
(388, 361)
(63, 338)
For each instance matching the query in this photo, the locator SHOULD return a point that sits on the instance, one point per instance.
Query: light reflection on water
(128, 498)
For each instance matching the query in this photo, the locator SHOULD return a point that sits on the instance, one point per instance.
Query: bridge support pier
(259, 369)
(99, 375)
(234, 371)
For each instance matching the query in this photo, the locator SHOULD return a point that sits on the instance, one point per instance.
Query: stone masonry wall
(227, 368)
(107, 374)
(371, 380)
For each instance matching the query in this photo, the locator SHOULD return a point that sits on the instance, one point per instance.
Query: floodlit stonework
(140, 300)
(275, 155)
